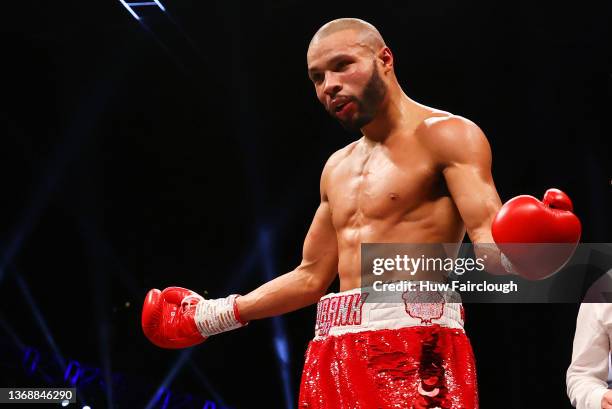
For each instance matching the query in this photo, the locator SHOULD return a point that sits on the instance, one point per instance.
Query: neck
(397, 112)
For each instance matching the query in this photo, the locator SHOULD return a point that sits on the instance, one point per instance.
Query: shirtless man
(418, 175)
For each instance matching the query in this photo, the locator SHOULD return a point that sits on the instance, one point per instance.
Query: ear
(385, 56)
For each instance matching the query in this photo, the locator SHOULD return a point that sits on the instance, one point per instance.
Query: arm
(464, 154)
(178, 318)
(465, 157)
(588, 371)
(306, 283)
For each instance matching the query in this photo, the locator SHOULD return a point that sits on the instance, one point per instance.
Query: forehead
(325, 48)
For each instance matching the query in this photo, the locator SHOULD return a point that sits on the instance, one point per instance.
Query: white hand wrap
(216, 316)
(507, 265)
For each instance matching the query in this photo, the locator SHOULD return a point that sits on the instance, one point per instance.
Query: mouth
(342, 108)
(339, 107)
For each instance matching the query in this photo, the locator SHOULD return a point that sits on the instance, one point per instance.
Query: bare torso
(389, 192)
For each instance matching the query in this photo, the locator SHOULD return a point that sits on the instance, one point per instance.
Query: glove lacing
(187, 301)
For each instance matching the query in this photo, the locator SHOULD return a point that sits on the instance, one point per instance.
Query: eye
(316, 78)
(342, 65)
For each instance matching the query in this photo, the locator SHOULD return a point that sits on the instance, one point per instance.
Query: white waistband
(350, 312)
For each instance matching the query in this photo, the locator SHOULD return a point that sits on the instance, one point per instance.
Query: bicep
(320, 251)
(467, 172)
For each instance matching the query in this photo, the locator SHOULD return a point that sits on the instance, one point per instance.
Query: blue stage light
(130, 10)
(161, 6)
(42, 324)
(281, 345)
(72, 372)
(129, 6)
(163, 387)
(31, 357)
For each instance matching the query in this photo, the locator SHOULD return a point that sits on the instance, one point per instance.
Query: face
(346, 78)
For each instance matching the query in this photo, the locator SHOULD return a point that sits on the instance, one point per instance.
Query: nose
(332, 85)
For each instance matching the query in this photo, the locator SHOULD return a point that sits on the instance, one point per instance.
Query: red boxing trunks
(398, 355)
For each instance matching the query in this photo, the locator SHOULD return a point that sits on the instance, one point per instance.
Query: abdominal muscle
(434, 222)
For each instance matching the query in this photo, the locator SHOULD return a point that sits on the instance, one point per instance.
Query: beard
(368, 105)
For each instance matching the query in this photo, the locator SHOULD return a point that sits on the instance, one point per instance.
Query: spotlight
(65, 402)
(86, 407)
(129, 6)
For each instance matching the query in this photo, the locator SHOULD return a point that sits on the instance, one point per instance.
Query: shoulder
(453, 138)
(332, 162)
(337, 157)
(598, 313)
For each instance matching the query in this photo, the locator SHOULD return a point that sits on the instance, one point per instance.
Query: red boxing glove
(180, 318)
(524, 220)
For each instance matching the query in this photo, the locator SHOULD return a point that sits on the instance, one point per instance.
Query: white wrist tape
(216, 316)
(507, 265)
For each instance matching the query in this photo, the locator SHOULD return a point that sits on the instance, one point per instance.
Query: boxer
(416, 175)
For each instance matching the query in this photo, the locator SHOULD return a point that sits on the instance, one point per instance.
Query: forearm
(289, 292)
(585, 391)
(194, 318)
(486, 250)
(491, 256)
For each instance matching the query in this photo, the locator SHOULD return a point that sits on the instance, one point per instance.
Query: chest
(381, 183)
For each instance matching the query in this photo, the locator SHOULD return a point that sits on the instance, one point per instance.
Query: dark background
(186, 149)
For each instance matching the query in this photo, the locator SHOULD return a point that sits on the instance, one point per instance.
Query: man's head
(351, 69)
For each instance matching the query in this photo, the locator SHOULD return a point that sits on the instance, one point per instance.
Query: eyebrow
(331, 61)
